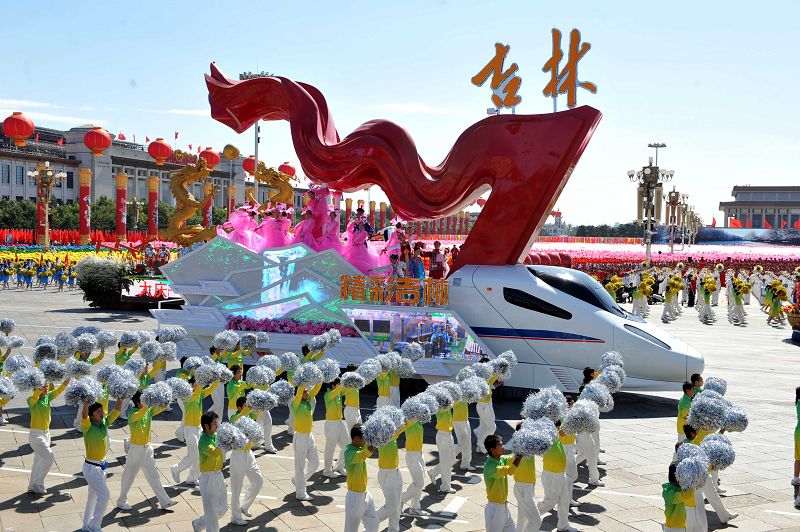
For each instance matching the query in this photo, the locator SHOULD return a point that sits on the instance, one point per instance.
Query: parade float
(556, 320)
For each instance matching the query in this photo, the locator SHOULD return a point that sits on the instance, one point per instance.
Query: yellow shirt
(701, 434)
(567, 439)
(235, 390)
(39, 406)
(383, 384)
(139, 424)
(352, 397)
(95, 436)
(333, 404)
(555, 460)
(394, 379)
(355, 459)
(444, 420)
(461, 411)
(488, 397)
(414, 435)
(303, 416)
(526, 470)
(211, 457)
(193, 408)
(245, 411)
(388, 457)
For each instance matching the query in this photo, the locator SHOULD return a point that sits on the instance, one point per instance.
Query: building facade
(763, 207)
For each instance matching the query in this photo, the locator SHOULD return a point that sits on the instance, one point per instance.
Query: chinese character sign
(504, 83)
(565, 81)
(393, 290)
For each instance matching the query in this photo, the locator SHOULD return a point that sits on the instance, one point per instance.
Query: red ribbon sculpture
(524, 159)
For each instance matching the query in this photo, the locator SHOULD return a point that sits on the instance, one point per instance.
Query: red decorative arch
(524, 159)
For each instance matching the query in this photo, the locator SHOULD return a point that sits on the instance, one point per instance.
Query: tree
(64, 215)
(104, 215)
(165, 212)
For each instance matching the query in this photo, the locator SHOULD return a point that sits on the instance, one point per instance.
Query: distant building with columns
(763, 206)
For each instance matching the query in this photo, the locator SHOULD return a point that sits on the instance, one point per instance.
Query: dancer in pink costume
(356, 251)
(286, 223)
(330, 233)
(274, 229)
(318, 205)
(242, 221)
(304, 231)
(392, 247)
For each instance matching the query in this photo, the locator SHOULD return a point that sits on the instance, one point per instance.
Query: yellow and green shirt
(352, 397)
(388, 457)
(235, 390)
(444, 420)
(239, 413)
(122, 356)
(355, 460)
(333, 404)
(236, 358)
(555, 459)
(211, 458)
(139, 424)
(394, 378)
(526, 470)
(683, 411)
(193, 408)
(39, 406)
(461, 411)
(675, 502)
(383, 384)
(303, 416)
(414, 437)
(567, 439)
(488, 397)
(495, 476)
(95, 436)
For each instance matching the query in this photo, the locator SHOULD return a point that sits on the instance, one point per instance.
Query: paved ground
(638, 436)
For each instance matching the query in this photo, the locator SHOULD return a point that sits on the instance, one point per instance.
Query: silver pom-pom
(329, 368)
(150, 351)
(599, 394)
(509, 356)
(248, 341)
(135, 365)
(500, 367)
(691, 473)
(307, 375)
(225, 340)
(87, 329)
(27, 379)
(15, 363)
(351, 379)
(612, 358)
(379, 429)
(122, 384)
(205, 375)
(53, 370)
(533, 440)
(333, 338)
(181, 390)
(171, 334)
(250, 428)
(394, 359)
(548, 402)
(262, 339)
(7, 325)
(270, 361)
(157, 395)
(16, 341)
(611, 380)
(716, 384)
(318, 343)
(289, 361)
(430, 401)
(67, 345)
(44, 352)
(618, 371)
(482, 370)
(130, 339)
(260, 376)
(78, 368)
(443, 397)
(84, 390)
(168, 352)
(393, 413)
(261, 400)
(229, 438)
(385, 362)
(415, 409)
(369, 369)
(465, 373)
(4, 341)
(719, 451)
(7, 388)
(106, 372)
(584, 416)
(45, 339)
(106, 339)
(707, 411)
(223, 374)
(735, 419)
(192, 363)
(413, 351)
(405, 369)
(283, 391)
(144, 336)
(453, 388)
(689, 450)
(86, 343)
(474, 389)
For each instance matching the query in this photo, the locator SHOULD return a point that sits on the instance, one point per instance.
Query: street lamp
(137, 205)
(684, 213)
(45, 178)
(649, 196)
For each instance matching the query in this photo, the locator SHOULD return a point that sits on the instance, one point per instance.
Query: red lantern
(18, 127)
(160, 151)
(98, 140)
(287, 169)
(249, 164)
(211, 157)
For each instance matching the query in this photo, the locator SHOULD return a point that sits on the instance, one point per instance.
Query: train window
(581, 286)
(647, 336)
(527, 301)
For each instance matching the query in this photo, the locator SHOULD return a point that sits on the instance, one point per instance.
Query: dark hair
(796, 395)
(94, 407)
(569, 397)
(212, 349)
(671, 474)
(207, 418)
(191, 380)
(588, 372)
(235, 368)
(518, 427)
(357, 431)
(360, 209)
(240, 401)
(305, 349)
(137, 398)
(393, 256)
(580, 390)
(183, 359)
(687, 386)
(491, 442)
(688, 430)
(695, 377)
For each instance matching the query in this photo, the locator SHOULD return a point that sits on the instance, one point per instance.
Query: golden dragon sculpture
(282, 190)
(187, 205)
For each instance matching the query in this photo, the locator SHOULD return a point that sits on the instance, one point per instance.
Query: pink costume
(392, 247)
(243, 230)
(330, 236)
(356, 251)
(319, 209)
(304, 233)
(272, 232)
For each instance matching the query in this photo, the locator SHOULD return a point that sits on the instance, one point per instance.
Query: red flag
(783, 223)
(748, 224)
(176, 135)
(713, 221)
(121, 136)
(796, 224)
(190, 147)
(198, 149)
(66, 261)
(60, 141)
(767, 225)
(37, 137)
(734, 223)
(147, 140)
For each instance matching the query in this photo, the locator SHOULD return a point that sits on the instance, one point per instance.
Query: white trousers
(447, 457)
(192, 459)
(394, 396)
(335, 434)
(214, 495)
(710, 493)
(218, 400)
(487, 425)
(265, 419)
(693, 520)
(416, 468)
(141, 457)
(243, 464)
(498, 518)
(528, 518)
(305, 450)
(586, 451)
(572, 465)
(43, 457)
(391, 483)
(464, 442)
(700, 511)
(97, 501)
(383, 400)
(359, 508)
(179, 428)
(290, 421)
(352, 415)
(556, 495)
(77, 422)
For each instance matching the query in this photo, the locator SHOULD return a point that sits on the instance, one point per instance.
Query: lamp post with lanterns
(46, 177)
(649, 197)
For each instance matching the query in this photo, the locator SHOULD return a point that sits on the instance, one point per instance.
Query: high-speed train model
(559, 321)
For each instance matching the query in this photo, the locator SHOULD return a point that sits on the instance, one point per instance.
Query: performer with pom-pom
(528, 518)
(444, 440)
(352, 382)
(335, 431)
(192, 414)
(94, 424)
(557, 492)
(485, 410)
(684, 405)
(678, 503)
(416, 412)
(389, 479)
(496, 471)
(39, 405)
(235, 388)
(305, 448)
(243, 464)
(358, 504)
(213, 492)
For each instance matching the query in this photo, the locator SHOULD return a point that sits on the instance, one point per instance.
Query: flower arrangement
(288, 326)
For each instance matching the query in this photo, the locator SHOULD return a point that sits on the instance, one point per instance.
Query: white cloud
(22, 104)
(411, 108)
(189, 112)
(37, 116)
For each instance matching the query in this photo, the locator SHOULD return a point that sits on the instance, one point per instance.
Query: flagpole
(255, 164)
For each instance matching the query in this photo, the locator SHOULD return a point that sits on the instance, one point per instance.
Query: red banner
(122, 207)
(152, 210)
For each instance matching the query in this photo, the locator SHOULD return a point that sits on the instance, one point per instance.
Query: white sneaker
(413, 511)
(272, 450)
(305, 497)
(574, 504)
(238, 522)
(795, 481)
(126, 443)
(330, 474)
(568, 529)
(468, 468)
(176, 476)
(124, 507)
(172, 502)
(442, 490)
(721, 490)
(3, 420)
(731, 518)
(246, 513)
(598, 483)
(600, 462)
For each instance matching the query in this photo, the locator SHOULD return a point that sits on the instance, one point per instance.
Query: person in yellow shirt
(140, 455)
(335, 431)
(84, 357)
(243, 464)
(568, 442)
(192, 415)
(678, 504)
(463, 434)
(235, 388)
(305, 448)
(415, 463)
(684, 405)
(556, 486)
(528, 518)
(213, 492)
(218, 394)
(39, 404)
(447, 451)
(496, 471)
(485, 409)
(391, 482)
(94, 425)
(358, 504)
(383, 381)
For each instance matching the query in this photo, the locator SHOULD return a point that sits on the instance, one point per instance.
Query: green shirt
(235, 390)
(333, 404)
(355, 460)
(555, 460)
(675, 500)
(211, 457)
(388, 457)
(95, 436)
(122, 356)
(683, 411)
(495, 476)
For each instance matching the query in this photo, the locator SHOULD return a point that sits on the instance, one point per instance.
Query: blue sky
(715, 81)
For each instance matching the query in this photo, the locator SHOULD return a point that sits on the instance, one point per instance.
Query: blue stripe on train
(533, 334)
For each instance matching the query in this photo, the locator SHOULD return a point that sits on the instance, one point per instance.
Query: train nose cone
(695, 363)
